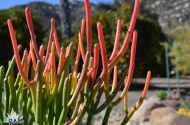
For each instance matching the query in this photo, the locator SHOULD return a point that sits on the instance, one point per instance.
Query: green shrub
(161, 94)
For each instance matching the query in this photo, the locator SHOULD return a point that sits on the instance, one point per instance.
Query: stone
(171, 103)
(165, 120)
(158, 113)
(144, 110)
(145, 123)
(180, 120)
(173, 119)
(133, 123)
(154, 98)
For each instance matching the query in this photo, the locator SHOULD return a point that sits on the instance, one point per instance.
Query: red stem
(81, 47)
(41, 51)
(31, 30)
(26, 64)
(131, 64)
(16, 53)
(82, 28)
(32, 56)
(115, 49)
(95, 65)
(77, 59)
(128, 35)
(61, 62)
(147, 82)
(50, 39)
(88, 25)
(56, 42)
(104, 56)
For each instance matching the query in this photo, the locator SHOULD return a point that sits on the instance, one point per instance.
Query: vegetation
(150, 39)
(181, 35)
(19, 21)
(162, 94)
(55, 95)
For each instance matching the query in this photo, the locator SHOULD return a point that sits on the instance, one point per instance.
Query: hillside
(171, 13)
(47, 11)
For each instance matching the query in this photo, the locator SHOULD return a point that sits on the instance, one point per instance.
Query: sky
(10, 3)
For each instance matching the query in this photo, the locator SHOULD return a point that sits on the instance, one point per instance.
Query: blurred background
(159, 24)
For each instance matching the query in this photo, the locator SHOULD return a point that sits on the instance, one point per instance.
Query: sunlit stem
(95, 65)
(104, 58)
(16, 53)
(31, 30)
(138, 104)
(116, 44)
(88, 25)
(50, 39)
(81, 80)
(41, 51)
(81, 46)
(131, 69)
(114, 83)
(128, 35)
(32, 56)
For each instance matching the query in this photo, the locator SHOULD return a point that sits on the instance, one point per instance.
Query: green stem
(64, 102)
(76, 107)
(127, 117)
(24, 108)
(13, 94)
(38, 115)
(90, 116)
(11, 65)
(106, 116)
(89, 120)
(111, 97)
(28, 110)
(80, 81)
(1, 91)
(7, 94)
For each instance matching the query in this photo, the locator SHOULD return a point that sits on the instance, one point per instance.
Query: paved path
(133, 97)
(155, 83)
(163, 82)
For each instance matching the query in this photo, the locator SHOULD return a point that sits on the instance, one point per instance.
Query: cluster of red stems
(63, 95)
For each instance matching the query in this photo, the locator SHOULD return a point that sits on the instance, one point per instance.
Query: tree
(65, 19)
(150, 37)
(22, 34)
(181, 35)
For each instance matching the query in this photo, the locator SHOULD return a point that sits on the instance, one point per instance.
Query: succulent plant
(46, 93)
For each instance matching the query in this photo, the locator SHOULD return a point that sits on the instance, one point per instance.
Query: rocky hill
(48, 11)
(171, 13)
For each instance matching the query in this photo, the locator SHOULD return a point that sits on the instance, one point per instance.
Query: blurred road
(133, 97)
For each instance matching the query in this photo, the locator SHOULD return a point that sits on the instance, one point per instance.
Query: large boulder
(173, 119)
(158, 113)
(144, 110)
(171, 103)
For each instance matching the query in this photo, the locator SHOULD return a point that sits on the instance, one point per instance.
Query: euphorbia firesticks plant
(61, 95)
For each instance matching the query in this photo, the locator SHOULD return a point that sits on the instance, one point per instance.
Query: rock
(171, 103)
(173, 119)
(133, 123)
(158, 113)
(154, 99)
(145, 123)
(165, 120)
(144, 110)
(180, 120)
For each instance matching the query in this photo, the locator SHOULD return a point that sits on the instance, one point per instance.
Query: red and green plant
(49, 93)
